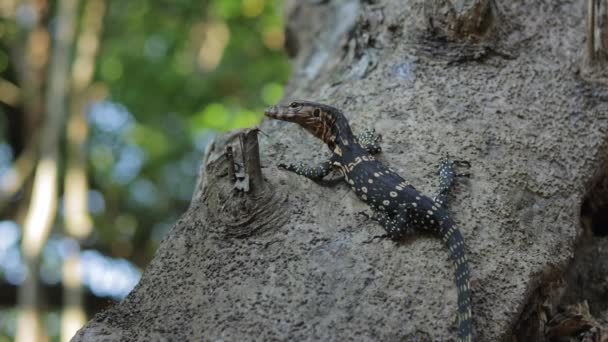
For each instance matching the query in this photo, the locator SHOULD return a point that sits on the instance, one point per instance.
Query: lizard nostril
(271, 111)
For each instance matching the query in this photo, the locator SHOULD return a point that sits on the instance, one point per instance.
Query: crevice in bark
(328, 24)
(465, 30)
(595, 57)
(570, 305)
(594, 211)
(541, 305)
(462, 20)
(573, 305)
(587, 277)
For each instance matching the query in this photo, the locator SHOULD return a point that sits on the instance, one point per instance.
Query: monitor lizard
(396, 204)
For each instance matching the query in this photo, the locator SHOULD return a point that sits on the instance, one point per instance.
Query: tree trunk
(78, 223)
(496, 85)
(42, 209)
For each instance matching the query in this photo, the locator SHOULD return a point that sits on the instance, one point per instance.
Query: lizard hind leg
(311, 172)
(396, 227)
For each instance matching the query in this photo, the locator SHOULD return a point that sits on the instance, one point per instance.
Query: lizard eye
(316, 113)
(293, 105)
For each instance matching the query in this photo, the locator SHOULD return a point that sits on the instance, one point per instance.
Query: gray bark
(506, 95)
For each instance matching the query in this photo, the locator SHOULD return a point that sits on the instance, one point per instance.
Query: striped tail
(454, 241)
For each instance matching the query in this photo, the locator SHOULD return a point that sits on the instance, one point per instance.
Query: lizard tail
(455, 243)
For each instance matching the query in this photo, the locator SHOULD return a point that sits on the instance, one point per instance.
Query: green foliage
(219, 117)
(181, 69)
(173, 74)
(151, 53)
(151, 139)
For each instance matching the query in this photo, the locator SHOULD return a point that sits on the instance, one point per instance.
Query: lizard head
(323, 121)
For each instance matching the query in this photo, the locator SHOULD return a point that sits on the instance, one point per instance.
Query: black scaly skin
(397, 205)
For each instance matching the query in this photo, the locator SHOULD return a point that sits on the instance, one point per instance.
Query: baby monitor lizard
(396, 204)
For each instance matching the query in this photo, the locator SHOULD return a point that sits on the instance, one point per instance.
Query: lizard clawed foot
(289, 167)
(447, 164)
(381, 237)
(376, 216)
(364, 214)
(462, 163)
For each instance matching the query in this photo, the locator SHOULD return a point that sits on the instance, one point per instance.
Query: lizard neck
(341, 139)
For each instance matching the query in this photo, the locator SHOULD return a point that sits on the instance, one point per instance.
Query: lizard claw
(364, 214)
(462, 163)
(381, 237)
(447, 165)
(376, 216)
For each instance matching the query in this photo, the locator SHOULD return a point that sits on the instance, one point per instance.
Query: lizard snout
(281, 113)
(272, 112)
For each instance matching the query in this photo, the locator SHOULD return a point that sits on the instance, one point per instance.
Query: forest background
(106, 107)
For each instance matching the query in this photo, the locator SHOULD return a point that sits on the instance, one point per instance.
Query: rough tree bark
(498, 85)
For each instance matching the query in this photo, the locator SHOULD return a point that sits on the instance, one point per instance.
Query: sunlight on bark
(591, 29)
(88, 45)
(31, 56)
(603, 27)
(38, 221)
(597, 31)
(9, 93)
(7, 8)
(216, 36)
(78, 223)
(73, 315)
(42, 208)
(29, 325)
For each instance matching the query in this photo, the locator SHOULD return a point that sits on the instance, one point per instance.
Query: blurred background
(106, 107)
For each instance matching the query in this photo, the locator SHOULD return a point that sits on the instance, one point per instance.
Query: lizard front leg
(314, 173)
(370, 141)
(395, 226)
